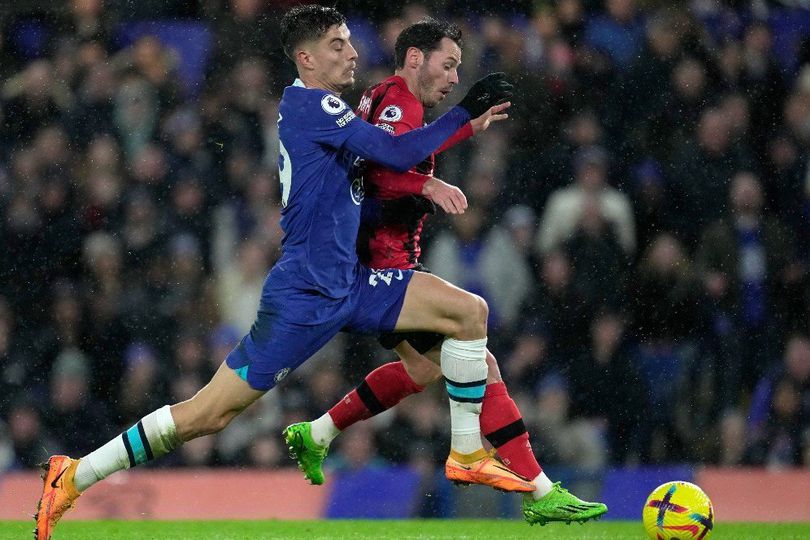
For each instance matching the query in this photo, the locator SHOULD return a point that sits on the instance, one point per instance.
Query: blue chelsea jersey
(320, 190)
(320, 146)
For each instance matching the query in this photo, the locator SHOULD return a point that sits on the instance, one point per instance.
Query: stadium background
(640, 228)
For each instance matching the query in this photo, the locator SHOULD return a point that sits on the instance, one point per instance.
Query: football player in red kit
(396, 205)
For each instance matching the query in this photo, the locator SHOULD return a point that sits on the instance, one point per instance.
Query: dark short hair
(426, 35)
(306, 23)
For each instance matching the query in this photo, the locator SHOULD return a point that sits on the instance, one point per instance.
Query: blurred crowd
(640, 227)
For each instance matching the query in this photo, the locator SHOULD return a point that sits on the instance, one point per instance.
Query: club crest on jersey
(357, 190)
(392, 113)
(332, 105)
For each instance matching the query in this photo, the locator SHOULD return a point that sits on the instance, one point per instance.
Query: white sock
(464, 368)
(324, 430)
(152, 437)
(542, 486)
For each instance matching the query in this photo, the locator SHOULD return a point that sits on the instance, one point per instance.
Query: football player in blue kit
(318, 288)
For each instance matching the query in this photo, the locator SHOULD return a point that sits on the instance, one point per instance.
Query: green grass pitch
(395, 530)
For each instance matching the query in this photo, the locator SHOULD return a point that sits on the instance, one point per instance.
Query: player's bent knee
(482, 309)
(476, 313)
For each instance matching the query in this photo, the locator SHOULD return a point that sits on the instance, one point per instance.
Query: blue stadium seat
(626, 490)
(30, 37)
(373, 493)
(191, 39)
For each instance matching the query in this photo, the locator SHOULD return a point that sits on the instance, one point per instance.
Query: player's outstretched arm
(403, 152)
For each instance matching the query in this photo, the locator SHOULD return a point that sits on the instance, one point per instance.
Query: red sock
(502, 425)
(382, 389)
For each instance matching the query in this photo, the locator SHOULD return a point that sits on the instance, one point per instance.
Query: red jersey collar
(401, 84)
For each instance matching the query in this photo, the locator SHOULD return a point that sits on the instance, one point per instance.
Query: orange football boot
(483, 468)
(59, 494)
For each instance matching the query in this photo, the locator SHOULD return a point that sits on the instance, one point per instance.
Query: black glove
(486, 92)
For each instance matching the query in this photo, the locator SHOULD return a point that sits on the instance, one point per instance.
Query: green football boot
(306, 451)
(560, 505)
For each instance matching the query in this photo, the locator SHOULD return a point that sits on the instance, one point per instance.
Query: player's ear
(304, 59)
(414, 57)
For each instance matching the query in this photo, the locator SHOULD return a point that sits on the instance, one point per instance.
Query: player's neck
(313, 82)
(410, 80)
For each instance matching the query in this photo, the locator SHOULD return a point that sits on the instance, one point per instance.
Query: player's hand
(491, 90)
(448, 198)
(493, 114)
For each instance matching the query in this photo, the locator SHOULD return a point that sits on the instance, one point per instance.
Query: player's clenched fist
(486, 92)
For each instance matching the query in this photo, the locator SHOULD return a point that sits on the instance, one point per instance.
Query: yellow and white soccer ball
(678, 511)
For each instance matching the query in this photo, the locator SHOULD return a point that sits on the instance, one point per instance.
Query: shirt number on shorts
(382, 275)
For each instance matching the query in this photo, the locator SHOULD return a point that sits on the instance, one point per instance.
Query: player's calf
(422, 371)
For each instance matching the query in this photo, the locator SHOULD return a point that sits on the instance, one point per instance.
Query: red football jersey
(391, 106)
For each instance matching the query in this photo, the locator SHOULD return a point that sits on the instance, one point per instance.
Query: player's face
(334, 59)
(438, 74)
